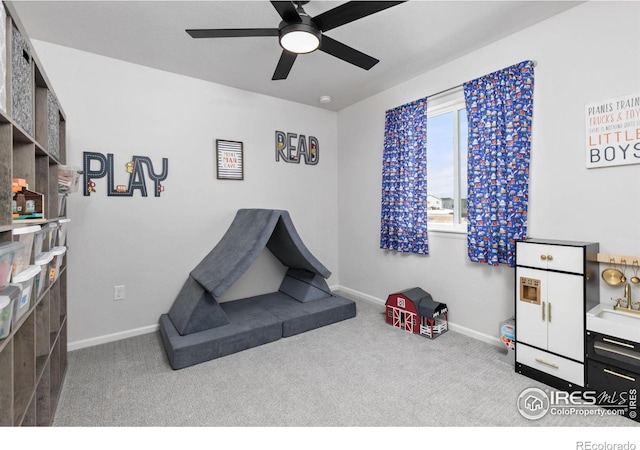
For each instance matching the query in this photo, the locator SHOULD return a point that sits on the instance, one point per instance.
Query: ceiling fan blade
(284, 65)
(349, 12)
(287, 11)
(228, 32)
(346, 53)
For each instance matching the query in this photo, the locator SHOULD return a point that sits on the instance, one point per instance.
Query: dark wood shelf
(33, 357)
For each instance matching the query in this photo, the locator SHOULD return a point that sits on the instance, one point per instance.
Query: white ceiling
(408, 39)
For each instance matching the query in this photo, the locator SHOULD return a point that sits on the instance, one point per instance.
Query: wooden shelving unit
(33, 358)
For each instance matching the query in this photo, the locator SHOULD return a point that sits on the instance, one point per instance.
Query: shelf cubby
(24, 370)
(29, 418)
(43, 337)
(6, 170)
(6, 387)
(55, 373)
(54, 311)
(43, 400)
(63, 349)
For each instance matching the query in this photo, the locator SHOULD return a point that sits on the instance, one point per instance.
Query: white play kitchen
(566, 335)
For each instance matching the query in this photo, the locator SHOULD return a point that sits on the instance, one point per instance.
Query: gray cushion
(250, 232)
(299, 317)
(243, 242)
(253, 326)
(286, 244)
(194, 309)
(300, 291)
(253, 321)
(310, 278)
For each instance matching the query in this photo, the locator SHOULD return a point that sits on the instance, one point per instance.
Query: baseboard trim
(452, 325)
(77, 345)
(360, 295)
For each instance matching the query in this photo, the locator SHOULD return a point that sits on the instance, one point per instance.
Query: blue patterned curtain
(500, 109)
(404, 179)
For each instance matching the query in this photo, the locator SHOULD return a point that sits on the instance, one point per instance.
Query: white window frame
(449, 101)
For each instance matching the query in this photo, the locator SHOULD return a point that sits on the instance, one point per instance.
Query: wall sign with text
(292, 148)
(96, 166)
(229, 160)
(613, 132)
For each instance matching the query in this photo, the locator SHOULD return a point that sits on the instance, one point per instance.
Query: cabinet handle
(543, 257)
(549, 310)
(619, 375)
(549, 258)
(616, 351)
(611, 341)
(543, 305)
(542, 361)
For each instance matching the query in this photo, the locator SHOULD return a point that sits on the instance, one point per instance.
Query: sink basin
(619, 316)
(605, 319)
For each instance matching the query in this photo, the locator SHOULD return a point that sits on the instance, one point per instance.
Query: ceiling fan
(299, 33)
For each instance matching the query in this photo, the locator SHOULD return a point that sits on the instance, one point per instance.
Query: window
(447, 162)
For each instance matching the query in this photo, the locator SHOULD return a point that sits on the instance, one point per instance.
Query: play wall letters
(291, 148)
(97, 165)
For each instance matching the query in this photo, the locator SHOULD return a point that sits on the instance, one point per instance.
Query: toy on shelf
(26, 204)
(414, 310)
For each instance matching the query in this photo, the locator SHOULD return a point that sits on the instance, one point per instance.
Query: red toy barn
(414, 310)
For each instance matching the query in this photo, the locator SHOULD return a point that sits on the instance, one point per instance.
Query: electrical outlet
(118, 292)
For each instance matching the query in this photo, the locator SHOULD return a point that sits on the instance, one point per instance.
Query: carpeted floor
(357, 373)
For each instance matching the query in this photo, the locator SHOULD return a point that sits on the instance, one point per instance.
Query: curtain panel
(500, 110)
(404, 179)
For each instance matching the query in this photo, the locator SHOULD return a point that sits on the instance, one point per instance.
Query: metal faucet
(627, 299)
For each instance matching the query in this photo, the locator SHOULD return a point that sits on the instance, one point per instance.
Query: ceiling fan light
(299, 42)
(299, 38)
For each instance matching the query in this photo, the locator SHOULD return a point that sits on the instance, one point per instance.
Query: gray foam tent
(250, 232)
(304, 300)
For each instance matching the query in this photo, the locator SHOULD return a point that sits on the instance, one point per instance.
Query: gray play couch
(198, 328)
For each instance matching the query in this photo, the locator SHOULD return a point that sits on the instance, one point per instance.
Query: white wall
(588, 54)
(151, 244)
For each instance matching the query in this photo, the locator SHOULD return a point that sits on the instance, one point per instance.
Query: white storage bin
(42, 279)
(56, 262)
(42, 239)
(52, 235)
(63, 225)
(24, 235)
(7, 298)
(25, 280)
(8, 251)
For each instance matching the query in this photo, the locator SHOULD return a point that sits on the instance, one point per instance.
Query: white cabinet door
(531, 327)
(565, 315)
(555, 324)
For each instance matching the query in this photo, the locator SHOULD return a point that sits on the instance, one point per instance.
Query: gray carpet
(358, 373)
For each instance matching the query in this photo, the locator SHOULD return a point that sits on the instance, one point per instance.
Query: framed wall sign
(613, 131)
(229, 160)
